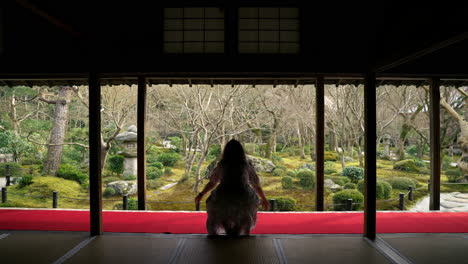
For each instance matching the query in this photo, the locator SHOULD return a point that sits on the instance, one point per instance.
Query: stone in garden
(308, 166)
(331, 185)
(261, 165)
(123, 187)
(348, 159)
(129, 140)
(165, 187)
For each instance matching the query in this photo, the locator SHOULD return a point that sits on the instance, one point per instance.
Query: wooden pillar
(370, 178)
(141, 151)
(434, 104)
(95, 184)
(319, 141)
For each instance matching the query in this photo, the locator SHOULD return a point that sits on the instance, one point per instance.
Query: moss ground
(183, 191)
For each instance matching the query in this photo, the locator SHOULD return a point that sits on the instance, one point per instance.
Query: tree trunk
(197, 173)
(57, 136)
(360, 156)
(299, 138)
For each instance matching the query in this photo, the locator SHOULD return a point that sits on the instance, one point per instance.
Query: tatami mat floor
(78, 247)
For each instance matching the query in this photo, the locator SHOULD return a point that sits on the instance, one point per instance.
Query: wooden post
(141, 153)
(272, 205)
(349, 205)
(95, 184)
(125, 202)
(401, 204)
(4, 194)
(434, 110)
(319, 142)
(7, 175)
(370, 180)
(54, 199)
(410, 193)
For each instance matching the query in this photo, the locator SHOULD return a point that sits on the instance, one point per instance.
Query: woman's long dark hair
(234, 164)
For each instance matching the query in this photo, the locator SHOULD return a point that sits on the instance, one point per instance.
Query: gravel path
(449, 202)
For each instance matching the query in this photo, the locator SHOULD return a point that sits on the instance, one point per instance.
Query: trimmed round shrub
(279, 171)
(130, 177)
(168, 159)
(353, 173)
(419, 163)
(15, 169)
(349, 185)
(157, 164)
(287, 182)
(70, 172)
(340, 198)
(306, 179)
(402, 183)
(153, 184)
(454, 174)
(108, 192)
(331, 156)
(153, 173)
(276, 159)
(406, 165)
(284, 203)
(25, 181)
(340, 180)
(291, 173)
(116, 164)
(151, 159)
(384, 189)
(167, 170)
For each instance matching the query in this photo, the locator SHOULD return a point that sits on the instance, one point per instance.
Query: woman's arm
(214, 179)
(255, 182)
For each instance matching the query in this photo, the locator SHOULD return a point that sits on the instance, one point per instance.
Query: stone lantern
(386, 142)
(129, 140)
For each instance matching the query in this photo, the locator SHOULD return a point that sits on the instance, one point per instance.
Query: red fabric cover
(268, 223)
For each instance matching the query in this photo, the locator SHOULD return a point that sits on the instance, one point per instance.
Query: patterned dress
(232, 208)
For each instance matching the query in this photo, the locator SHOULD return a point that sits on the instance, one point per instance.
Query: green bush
(331, 156)
(168, 159)
(276, 159)
(107, 180)
(406, 165)
(291, 173)
(330, 167)
(151, 159)
(340, 198)
(214, 151)
(31, 161)
(306, 179)
(446, 160)
(129, 177)
(353, 173)
(15, 169)
(383, 191)
(69, 172)
(284, 203)
(108, 192)
(287, 182)
(419, 163)
(279, 171)
(116, 164)
(25, 181)
(167, 170)
(349, 185)
(454, 174)
(153, 173)
(402, 183)
(153, 184)
(157, 164)
(338, 179)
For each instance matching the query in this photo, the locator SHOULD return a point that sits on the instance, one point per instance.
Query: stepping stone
(450, 205)
(457, 200)
(165, 187)
(462, 195)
